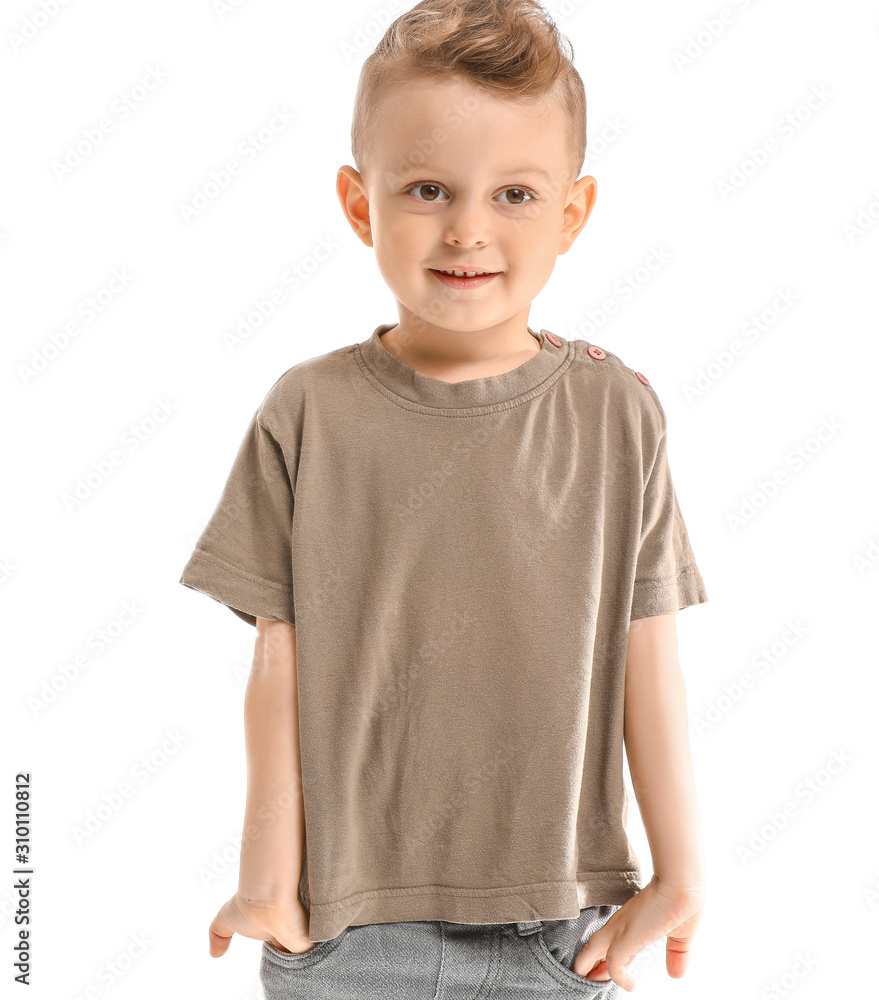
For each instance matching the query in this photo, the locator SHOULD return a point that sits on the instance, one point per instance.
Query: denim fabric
(439, 960)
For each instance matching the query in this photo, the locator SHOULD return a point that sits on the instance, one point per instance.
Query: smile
(464, 279)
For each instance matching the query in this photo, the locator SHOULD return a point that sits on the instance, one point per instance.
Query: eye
(523, 195)
(529, 194)
(424, 184)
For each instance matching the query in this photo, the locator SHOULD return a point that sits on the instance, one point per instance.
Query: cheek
(534, 235)
(544, 246)
(397, 256)
(538, 257)
(399, 238)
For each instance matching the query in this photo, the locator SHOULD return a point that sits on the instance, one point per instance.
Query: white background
(665, 135)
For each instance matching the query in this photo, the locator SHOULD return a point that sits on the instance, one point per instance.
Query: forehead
(440, 166)
(429, 122)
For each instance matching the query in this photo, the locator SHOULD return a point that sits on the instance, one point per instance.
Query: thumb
(220, 932)
(677, 955)
(218, 945)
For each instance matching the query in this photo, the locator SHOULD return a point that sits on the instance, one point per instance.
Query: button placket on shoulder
(598, 354)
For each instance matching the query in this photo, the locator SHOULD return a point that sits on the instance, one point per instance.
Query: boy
(461, 548)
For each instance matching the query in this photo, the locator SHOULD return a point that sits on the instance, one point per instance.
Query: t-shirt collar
(493, 389)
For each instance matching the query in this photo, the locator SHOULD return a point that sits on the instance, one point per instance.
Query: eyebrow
(421, 168)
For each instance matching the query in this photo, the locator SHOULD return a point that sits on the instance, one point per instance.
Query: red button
(641, 378)
(553, 340)
(597, 353)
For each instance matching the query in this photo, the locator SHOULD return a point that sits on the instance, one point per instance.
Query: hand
(658, 909)
(285, 927)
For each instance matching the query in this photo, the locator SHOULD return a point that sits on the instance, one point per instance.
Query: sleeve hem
(669, 595)
(247, 596)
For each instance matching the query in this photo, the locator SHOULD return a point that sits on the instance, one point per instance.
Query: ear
(577, 211)
(351, 189)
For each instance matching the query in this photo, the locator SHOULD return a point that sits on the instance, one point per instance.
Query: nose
(467, 223)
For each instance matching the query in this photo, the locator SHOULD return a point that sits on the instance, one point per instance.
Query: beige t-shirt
(461, 562)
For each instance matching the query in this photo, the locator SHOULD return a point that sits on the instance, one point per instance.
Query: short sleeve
(243, 557)
(666, 576)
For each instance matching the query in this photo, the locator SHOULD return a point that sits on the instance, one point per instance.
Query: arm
(658, 751)
(274, 818)
(266, 905)
(657, 747)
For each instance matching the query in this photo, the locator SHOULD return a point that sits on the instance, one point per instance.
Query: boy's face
(458, 177)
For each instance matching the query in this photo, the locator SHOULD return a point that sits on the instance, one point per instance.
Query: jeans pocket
(560, 972)
(558, 943)
(274, 958)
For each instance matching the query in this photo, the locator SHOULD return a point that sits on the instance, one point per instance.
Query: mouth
(456, 278)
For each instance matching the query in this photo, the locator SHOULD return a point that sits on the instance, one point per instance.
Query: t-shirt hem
(510, 904)
(249, 597)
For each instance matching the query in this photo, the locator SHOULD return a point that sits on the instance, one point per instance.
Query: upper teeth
(464, 274)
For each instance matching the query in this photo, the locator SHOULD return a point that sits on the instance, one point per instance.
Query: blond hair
(511, 49)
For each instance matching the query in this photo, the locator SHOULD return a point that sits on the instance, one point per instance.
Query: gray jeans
(438, 960)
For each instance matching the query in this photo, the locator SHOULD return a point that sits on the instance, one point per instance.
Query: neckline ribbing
(493, 392)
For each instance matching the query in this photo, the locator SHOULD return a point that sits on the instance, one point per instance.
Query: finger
(277, 944)
(219, 945)
(592, 963)
(599, 972)
(299, 950)
(220, 932)
(677, 956)
(589, 961)
(616, 964)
